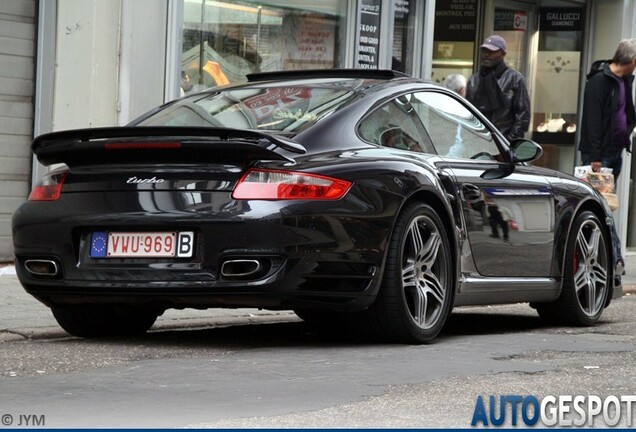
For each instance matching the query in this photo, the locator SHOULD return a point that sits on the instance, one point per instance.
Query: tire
(587, 276)
(322, 318)
(311, 315)
(92, 321)
(416, 295)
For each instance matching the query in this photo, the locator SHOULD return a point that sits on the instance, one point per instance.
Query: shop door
(514, 22)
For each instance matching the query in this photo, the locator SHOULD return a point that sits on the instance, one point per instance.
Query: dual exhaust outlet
(231, 268)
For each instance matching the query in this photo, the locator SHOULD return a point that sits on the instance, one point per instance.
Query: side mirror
(524, 150)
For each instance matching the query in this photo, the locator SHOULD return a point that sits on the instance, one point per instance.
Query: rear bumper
(327, 254)
(329, 281)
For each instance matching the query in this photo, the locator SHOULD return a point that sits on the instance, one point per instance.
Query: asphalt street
(23, 317)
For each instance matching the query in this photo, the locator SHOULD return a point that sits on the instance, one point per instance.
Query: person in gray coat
(500, 92)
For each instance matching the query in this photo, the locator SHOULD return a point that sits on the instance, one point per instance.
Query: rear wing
(379, 74)
(133, 144)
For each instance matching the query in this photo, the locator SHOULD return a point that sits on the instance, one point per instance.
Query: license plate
(142, 244)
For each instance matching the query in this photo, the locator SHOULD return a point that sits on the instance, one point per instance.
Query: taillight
(289, 185)
(49, 187)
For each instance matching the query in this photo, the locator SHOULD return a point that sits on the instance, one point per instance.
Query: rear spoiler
(379, 74)
(151, 144)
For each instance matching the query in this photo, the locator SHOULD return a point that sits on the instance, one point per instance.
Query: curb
(32, 333)
(55, 332)
(629, 289)
(227, 321)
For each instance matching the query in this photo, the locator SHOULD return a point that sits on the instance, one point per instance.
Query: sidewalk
(23, 317)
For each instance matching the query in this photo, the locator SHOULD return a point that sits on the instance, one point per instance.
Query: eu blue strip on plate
(99, 242)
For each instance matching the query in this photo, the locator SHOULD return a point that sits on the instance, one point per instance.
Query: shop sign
(510, 20)
(368, 34)
(401, 8)
(455, 20)
(310, 39)
(561, 19)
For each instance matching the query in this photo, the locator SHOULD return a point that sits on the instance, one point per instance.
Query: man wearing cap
(499, 92)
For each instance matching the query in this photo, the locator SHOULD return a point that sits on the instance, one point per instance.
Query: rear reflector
(142, 145)
(49, 188)
(289, 185)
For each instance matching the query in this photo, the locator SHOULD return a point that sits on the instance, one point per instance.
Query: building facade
(17, 87)
(88, 63)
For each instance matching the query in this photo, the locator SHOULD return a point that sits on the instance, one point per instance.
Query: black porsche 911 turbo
(361, 196)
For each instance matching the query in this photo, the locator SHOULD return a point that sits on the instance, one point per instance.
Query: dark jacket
(599, 111)
(513, 118)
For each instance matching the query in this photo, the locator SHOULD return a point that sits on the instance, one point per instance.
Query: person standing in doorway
(608, 110)
(500, 92)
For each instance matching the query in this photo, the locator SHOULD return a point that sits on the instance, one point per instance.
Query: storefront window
(223, 41)
(512, 25)
(454, 38)
(556, 97)
(403, 36)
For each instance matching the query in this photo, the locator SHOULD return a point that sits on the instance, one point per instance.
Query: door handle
(471, 193)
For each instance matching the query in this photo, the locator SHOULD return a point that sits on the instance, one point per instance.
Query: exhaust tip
(240, 268)
(41, 267)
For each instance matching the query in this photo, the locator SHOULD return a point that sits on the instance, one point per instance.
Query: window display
(558, 74)
(223, 41)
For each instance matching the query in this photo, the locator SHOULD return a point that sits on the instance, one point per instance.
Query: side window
(454, 130)
(396, 124)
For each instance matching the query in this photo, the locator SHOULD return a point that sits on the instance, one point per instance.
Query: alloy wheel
(590, 272)
(423, 275)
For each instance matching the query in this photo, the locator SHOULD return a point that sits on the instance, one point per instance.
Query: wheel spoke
(599, 274)
(409, 276)
(421, 305)
(595, 240)
(591, 296)
(431, 249)
(598, 279)
(583, 245)
(417, 241)
(434, 287)
(580, 279)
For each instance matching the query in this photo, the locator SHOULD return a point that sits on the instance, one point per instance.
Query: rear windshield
(283, 109)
